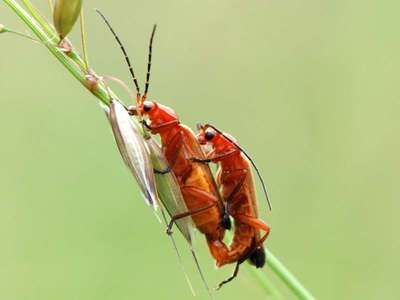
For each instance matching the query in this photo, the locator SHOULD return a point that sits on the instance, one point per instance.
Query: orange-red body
(197, 184)
(235, 179)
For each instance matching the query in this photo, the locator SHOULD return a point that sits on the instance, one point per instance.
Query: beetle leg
(228, 200)
(257, 224)
(234, 274)
(206, 198)
(186, 214)
(214, 158)
(144, 123)
(177, 141)
(214, 237)
(225, 220)
(160, 126)
(241, 174)
(163, 172)
(200, 160)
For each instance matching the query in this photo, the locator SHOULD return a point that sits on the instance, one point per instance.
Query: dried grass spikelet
(133, 150)
(65, 14)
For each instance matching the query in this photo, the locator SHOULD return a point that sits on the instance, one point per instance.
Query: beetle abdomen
(257, 258)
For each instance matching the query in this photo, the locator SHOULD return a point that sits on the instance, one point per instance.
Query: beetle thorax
(159, 116)
(221, 145)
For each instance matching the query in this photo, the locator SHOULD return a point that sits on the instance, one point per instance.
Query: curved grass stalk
(76, 66)
(283, 274)
(50, 31)
(38, 17)
(287, 277)
(265, 283)
(72, 63)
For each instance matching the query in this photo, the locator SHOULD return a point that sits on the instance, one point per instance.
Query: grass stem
(46, 35)
(287, 277)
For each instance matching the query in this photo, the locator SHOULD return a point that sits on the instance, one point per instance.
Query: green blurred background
(310, 89)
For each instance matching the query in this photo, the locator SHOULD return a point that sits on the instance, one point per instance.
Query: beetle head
(155, 112)
(206, 134)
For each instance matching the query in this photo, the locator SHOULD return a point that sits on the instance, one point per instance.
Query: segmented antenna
(250, 159)
(123, 51)
(149, 63)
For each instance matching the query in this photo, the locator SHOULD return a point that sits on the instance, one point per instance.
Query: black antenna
(123, 51)
(149, 62)
(250, 159)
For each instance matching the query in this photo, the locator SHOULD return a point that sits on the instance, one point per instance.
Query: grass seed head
(65, 14)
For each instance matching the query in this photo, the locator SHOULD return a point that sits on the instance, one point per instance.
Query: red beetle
(235, 179)
(179, 145)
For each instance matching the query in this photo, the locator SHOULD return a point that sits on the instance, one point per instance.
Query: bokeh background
(310, 89)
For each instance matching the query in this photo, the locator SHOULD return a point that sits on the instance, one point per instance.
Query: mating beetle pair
(192, 192)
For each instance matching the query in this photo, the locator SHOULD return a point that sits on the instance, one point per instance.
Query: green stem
(53, 35)
(268, 286)
(43, 35)
(38, 18)
(265, 283)
(287, 277)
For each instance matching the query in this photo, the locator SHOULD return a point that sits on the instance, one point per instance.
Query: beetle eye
(209, 135)
(147, 106)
